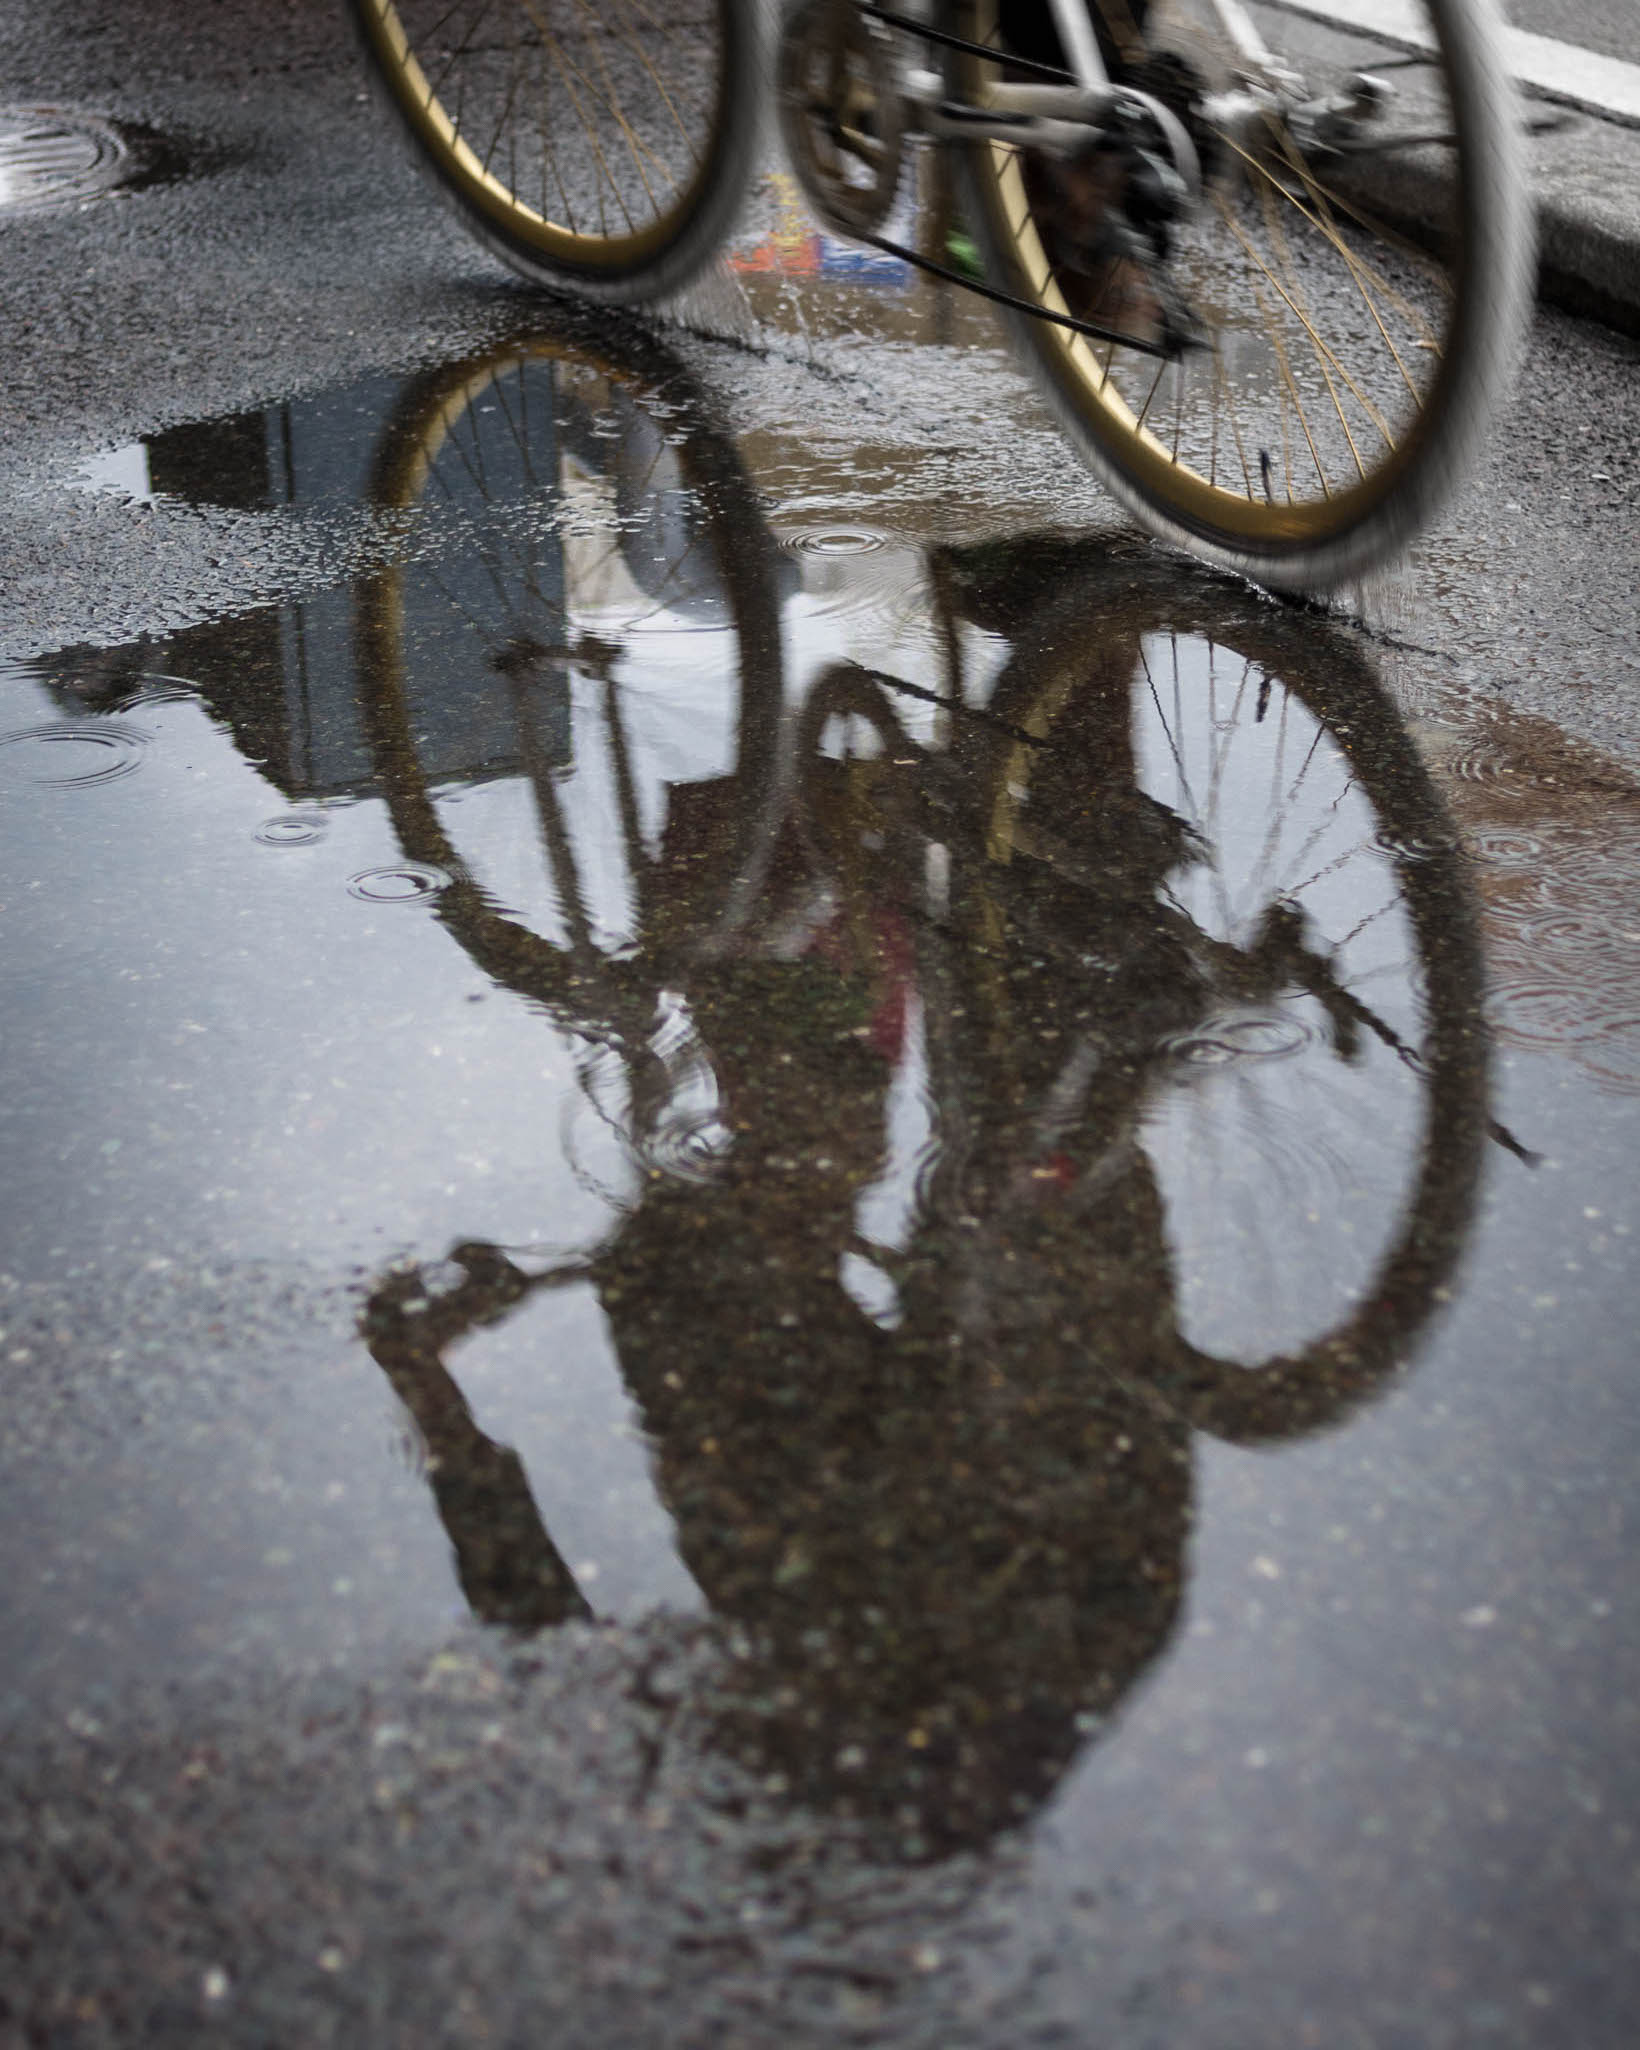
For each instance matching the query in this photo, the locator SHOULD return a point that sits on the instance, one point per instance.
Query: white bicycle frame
(1059, 116)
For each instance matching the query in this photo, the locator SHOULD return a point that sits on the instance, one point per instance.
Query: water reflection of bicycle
(1021, 1069)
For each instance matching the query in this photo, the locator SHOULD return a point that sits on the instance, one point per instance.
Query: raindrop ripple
(402, 882)
(293, 829)
(73, 754)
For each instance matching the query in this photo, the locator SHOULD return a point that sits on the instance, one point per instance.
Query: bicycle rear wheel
(603, 148)
(1357, 283)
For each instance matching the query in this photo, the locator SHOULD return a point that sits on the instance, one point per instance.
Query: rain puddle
(655, 1053)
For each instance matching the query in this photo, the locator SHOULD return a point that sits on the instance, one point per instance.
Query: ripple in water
(73, 754)
(1413, 846)
(156, 689)
(1582, 945)
(1599, 1028)
(689, 1150)
(855, 572)
(831, 540)
(1566, 979)
(1564, 773)
(1221, 1041)
(1508, 847)
(405, 882)
(295, 829)
(1482, 765)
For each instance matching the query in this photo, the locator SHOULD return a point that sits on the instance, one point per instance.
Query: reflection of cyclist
(952, 1539)
(951, 1530)
(952, 1536)
(960, 1537)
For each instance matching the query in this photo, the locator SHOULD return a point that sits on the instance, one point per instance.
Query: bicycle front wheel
(601, 148)
(1314, 1116)
(1346, 297)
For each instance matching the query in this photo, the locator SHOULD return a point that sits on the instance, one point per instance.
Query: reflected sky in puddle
(837, 1084)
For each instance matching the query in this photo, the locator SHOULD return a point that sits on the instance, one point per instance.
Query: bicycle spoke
(1293, 295)
(588, 126)
(660, 88)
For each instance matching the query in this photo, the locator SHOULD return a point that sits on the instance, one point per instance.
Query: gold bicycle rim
(468, 175)
(1082, 370)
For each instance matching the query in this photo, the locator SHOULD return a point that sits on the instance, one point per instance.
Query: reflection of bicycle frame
(1171, 942)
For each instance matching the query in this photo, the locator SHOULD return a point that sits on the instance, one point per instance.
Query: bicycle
(1270, 274)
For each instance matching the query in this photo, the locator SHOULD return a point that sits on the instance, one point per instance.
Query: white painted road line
(1557, 71)
(1582, 78)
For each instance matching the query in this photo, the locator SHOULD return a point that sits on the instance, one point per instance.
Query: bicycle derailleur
(1112, 171)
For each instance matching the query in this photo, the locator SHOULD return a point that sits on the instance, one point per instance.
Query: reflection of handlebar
(902, 800)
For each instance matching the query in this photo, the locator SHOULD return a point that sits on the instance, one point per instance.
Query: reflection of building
(283, 679)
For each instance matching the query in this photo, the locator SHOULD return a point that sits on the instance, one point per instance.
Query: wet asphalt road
(643, 1332)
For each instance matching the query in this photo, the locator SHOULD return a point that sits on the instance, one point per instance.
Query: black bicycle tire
(1494, 267)
(696, 239)
(508, 951)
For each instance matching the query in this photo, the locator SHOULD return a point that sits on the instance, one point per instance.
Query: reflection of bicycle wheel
(1334, 378)
(603, 147)
(573, 700)
(1296, 980)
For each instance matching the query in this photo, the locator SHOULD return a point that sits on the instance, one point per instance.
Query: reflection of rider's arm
(510, 1570)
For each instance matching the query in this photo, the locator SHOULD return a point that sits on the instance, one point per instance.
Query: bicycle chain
(1168, 351)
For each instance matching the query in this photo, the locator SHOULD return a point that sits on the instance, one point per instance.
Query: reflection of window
(218, 462)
